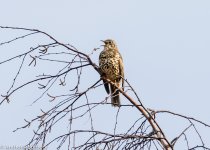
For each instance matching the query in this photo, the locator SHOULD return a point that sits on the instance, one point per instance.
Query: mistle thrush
(111, 67)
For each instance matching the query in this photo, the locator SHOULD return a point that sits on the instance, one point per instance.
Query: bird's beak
(103, 42)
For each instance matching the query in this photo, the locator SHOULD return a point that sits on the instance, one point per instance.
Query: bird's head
(109, 44)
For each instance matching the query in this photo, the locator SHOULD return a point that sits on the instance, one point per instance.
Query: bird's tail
(115, 96)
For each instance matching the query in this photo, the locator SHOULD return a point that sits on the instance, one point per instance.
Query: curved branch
(158, 131)
(183, 116)
(141, 137)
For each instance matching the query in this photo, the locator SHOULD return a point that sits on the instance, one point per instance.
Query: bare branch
(76, 104)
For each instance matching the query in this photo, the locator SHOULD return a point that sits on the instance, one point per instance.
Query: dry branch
(144, 133)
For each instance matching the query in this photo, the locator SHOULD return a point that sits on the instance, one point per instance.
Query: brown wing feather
(106, 86)
(121, 68)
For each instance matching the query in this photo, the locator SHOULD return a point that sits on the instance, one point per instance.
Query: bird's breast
(109, 65)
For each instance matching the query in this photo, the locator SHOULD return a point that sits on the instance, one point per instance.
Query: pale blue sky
(165, 46)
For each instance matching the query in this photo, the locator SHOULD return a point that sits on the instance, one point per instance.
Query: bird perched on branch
(111, 67)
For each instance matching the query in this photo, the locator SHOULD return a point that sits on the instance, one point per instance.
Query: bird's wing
(106, 86)
(121, 68)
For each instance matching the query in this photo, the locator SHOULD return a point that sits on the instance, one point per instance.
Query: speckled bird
(112, 68)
